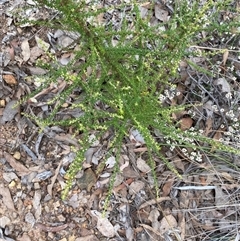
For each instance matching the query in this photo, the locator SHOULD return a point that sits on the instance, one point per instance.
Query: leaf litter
(34, 176)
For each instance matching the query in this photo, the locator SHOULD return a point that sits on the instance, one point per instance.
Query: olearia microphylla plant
(133, 68)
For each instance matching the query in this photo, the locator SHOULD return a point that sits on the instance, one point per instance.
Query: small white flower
(236, 124)
(162, 97)
(199, 159)
(214, 107)
(230, 129)
(228, 96)
(172, 148)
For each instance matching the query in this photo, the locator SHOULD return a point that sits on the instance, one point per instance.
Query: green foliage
(127, 78)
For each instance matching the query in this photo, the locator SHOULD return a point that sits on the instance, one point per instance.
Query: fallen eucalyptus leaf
(103, 225)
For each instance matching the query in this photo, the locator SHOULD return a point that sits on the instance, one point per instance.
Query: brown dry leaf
(224, 84)
(225, 56)
(6, 197)
(67, 138)
(167, 223)
(9, 79)
(35, 52)
(11, 52)
(220, 197)
(25, 50)
(136, 186)
(129, 172)
(178, 115)
(227, 176)
(24, 237)
(103, 224)
(143, 11)
(53, 179)
(154, 201)
(167, 187)
(203, 180)
(19, 167)
(10, 111)
(182, 224)
(160, 14)
(186, 123)
(140, 149)
(15, 43)
(150, 229)
(208, 127)
(178, 162)
(153, 217)
(142, 165)
(37, 204)
(2, 103)
(123, 185)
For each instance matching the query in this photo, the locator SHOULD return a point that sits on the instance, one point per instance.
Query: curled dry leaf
(154, 201)
(36, 203)
(186, 123)
(53, 179)
(142, 165)
(160, 14)
(103, 224)
(47, 228)
(24, 237)
(208, 126)
(153, 217)
(225, 56)
(10, 111)
(25, 50)
(167, 187)
(4, 221)
(19, 167)
(6, 197)
(225, 87)
(135, 187)
(167, 223)
(179, 163)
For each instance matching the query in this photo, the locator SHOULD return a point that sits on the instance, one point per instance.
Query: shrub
(126, 76)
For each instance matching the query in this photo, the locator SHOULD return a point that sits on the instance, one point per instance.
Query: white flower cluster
(180, 140)
(169, 94)
(232, 136)
(193, 156)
